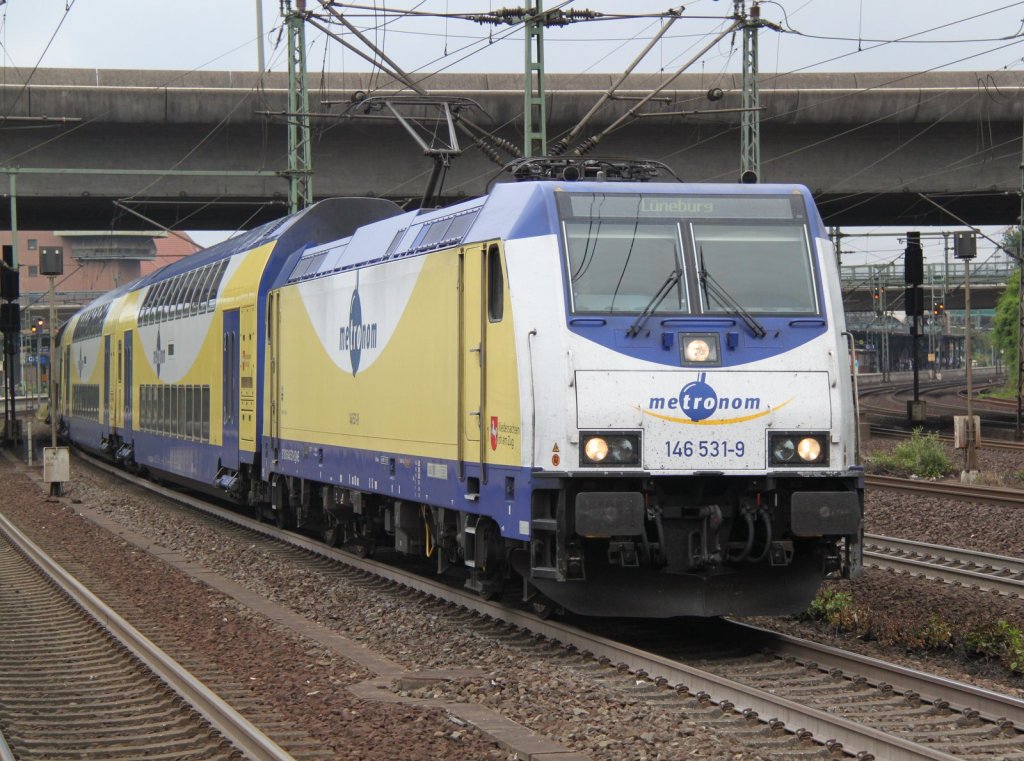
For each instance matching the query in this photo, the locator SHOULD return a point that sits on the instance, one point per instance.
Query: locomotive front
(710, 466)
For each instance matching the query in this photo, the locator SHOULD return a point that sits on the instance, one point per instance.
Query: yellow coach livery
(618, 398)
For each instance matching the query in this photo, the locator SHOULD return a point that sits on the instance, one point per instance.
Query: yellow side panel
(406, 400)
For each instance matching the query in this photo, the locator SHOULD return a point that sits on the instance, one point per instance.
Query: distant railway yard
(329, 655)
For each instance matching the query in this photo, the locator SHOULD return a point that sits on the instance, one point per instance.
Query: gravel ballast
(547, 695)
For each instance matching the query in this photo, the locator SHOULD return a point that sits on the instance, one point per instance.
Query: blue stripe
(417, 479)
(659, 343)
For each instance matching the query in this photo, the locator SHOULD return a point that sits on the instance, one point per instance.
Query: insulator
(558, 147)
(587, 145)
(488, 150)
(508, 146)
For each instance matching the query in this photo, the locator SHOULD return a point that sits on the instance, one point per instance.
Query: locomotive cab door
(471, 359)
(229, 395)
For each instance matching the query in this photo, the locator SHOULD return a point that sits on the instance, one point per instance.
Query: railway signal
(913, 276)
(10, 327)
(965, 248)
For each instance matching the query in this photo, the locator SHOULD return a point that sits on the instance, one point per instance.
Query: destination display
(632, 206)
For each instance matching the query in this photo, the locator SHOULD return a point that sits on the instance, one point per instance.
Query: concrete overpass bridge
(866, 144)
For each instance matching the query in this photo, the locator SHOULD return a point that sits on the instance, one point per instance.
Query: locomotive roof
(510, 211)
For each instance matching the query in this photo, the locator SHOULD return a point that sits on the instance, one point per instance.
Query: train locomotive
(622, 399)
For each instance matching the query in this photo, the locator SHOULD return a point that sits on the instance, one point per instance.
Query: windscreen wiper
(655, 302)
(712, 287)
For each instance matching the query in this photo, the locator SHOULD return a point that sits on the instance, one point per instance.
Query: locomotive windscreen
(616, 266)
(623, 250)
(765, 268)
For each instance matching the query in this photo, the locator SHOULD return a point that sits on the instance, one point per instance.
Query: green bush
(1000, 640)
(937, 634)
(835, 608)
(922, 455)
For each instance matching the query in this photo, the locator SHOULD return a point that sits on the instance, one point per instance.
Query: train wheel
(283, 515)
(491, 571)
(542, 607)
(331, 533)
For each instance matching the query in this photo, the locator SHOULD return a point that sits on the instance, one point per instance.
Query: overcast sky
(819, 35)
(827, 35)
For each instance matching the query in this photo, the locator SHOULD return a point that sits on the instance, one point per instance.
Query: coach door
(229, 396)
(66, 390)
(127, 383)
(472, 357)
(107, 405)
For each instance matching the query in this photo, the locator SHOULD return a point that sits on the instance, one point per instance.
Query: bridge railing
(891, 274)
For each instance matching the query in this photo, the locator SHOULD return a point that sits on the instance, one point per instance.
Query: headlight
(596, 449)
(610, 449)
(699, 349)
(798, 448)
(809, 449)
(783, 450)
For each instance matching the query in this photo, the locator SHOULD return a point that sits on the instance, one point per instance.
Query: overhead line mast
(750, 125)
(300, 162)
(535, 113)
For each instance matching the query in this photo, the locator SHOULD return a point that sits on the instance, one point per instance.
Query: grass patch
(922, 455)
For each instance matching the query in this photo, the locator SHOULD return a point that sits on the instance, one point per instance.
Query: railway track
(990, 495)
(788, 693)
(78, 682)
(985, 443)
(886, 405)
(995, 573)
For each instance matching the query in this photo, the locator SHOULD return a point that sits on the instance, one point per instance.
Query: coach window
(205, 288)
(187, 293)
(495, 285)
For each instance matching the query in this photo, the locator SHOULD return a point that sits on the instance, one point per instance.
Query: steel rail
(949, 490)
(5, 750)
(992, 706)
(231, 724)
(999, 573)
(824, 726)
(898, 433)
